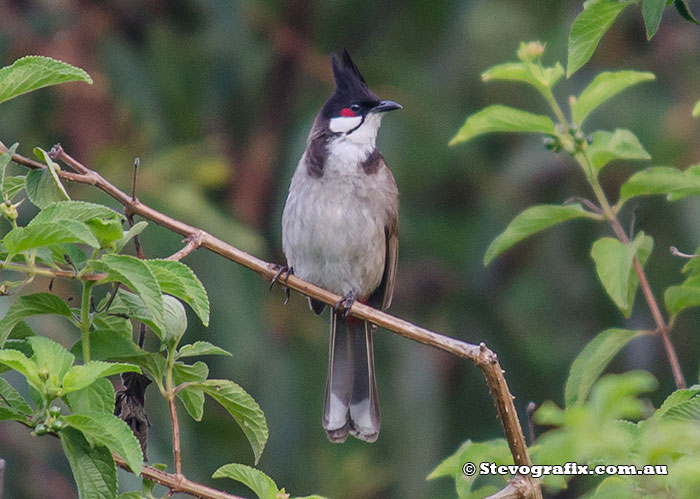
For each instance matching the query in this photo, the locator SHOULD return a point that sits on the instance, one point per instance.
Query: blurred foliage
(216, 98)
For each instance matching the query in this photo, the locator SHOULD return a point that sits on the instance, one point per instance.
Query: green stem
(549, 97)
(85, 322)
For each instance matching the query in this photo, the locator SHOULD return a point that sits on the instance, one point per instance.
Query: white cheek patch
(344, 124)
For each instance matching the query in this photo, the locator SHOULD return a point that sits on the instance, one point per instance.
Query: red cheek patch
(347, 112)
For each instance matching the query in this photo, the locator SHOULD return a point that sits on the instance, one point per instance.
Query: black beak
(386, 105)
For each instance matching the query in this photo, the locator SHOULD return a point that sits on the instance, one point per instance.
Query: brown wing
(381, 297)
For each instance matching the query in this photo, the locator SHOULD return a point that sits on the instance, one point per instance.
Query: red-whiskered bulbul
(339, 231)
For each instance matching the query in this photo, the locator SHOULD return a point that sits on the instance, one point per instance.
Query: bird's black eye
(355, 107)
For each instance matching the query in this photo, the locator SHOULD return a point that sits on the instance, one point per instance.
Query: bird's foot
(345, 303)
(287, 271)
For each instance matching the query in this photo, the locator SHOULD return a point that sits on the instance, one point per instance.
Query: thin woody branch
(480, 355)
(178, 483)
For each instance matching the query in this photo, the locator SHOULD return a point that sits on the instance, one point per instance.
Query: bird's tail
(351, 404)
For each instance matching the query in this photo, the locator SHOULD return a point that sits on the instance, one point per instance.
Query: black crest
(350, 86)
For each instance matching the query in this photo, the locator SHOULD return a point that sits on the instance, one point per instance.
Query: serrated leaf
(52, 359)
(652, 10)
(677, 397)
(47, 234)
(192, 398)
(93, 466)
(614, 266)
(79, 211)
(177, 279)
(5, 159)
(587, 30)
(499, 118)
(688, 410)
(242, 407)
(174, 320)
(21, 331)
(98, 397)
(683, 9)
(257, 481)
(200, 348)
(530, 221)
(44, 186)
(34, 72)
(674, 183)
(28, 306)
(78, 377)
(108, 344)
(20, 363)
(620, 144)
(13, 185)
(12, 403)
(137, 276)
(101, 428)
(603, 87)
(592, 360)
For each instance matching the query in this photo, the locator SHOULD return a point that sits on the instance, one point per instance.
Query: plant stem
(661, 326)
(85, 322)
(170, 395)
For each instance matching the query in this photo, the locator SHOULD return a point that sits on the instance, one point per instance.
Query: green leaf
(684, 10)
(101, 428)
(13, 185)
(79, 211)
(44, 186)
(200, 348)
(257, 481)
(21, 331)
(51, 359)
(620, 144)
(652, 10)
(137, 276)
(107, 344)
(28, 306)
(128, 235)
(5, 159)
(532, 74)
(174, 320)
(696, 109)
(676, 398)
(33, 72)
(499, 118)
(450, 465)
(679, 298)
(93, 466)
(46, 234)
(178, 280)
(78, 377)
(192, 398)
(587, 30)
(592, 360)
(674, 183)
(241, 406)
(12, 404)
(530, 221)
(26, 367)
(688, 410)
(98, 397)
(603, 87)
(614, 265)
(153, 363)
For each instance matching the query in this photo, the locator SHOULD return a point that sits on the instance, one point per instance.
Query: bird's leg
(346, 302)
(282, 269)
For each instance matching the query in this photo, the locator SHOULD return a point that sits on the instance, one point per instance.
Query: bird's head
(353, 107)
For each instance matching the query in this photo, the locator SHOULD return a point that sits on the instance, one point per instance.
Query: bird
(340, 232)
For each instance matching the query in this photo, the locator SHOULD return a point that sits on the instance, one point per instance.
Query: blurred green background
(217, 97)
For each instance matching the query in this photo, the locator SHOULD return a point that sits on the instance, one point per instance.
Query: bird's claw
(282, 269)
(345, 303)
